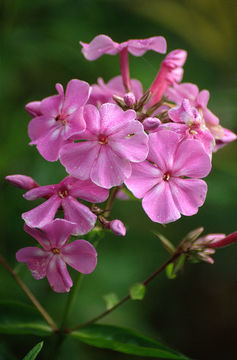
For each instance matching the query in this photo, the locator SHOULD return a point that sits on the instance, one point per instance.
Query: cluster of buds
(157, 143)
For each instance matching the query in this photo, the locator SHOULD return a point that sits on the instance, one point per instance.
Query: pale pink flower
(103, 93)
(114, 140)
(22, 181)
(57, 118)
(162, 180)
(56, 253)
(170, 72)
(64, 195)
(189, 123)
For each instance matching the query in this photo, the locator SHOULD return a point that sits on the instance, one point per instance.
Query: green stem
(27, 291)
(127, 297)
(71, 299)
(110, 201)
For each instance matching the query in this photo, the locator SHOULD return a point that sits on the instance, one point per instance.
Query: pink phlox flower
(64, 195)
(57, 118)
(103, 44)
(189, 123)
(228, 137)
(22, 181)
(103, 93)
(56, 253)
(199, 100)
(161, 181)
(114, 139)
(170, 72)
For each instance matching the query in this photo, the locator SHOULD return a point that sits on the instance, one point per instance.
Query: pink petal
(36, 259)
(139, 47)
(179, 92)
(80, 255)
(88, 191)
(92, 120)
(144, 177)
(203, 98)
(159, 205)
(38, 235)
(51, 106)
(40, 126)
(50, 145)
(58, 232)
(33, 108)
(100, 45)
(43, 213)
(109, 169)
(130, 141)
(75, 124)
(40, 192)
(191, 160)
(188, 194)
(22, 181)
(113, 116)
(77, 94)
(84, 220)
(163, 145)
(210, 118)
(58, 276)
(78, 158)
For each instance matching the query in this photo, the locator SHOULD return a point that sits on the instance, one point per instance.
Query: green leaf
(137, 291)
(18, 318)
(34, 352)
(111, 300)
(125, 341)
(166, 243)
(169, 271)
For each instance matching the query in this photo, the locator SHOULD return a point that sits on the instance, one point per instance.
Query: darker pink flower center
(103, 139)
(63, 193)
(61, 118)
(166, 177)
(55, 251)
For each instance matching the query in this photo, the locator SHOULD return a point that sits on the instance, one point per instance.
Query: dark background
(195, 313)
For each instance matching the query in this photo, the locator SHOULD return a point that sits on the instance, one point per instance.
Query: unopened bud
(119, 101)
(151, 124)
(175, 58)
(22, 181)
(144, 100)
(223, 241)
(129, 99)
(117, 227)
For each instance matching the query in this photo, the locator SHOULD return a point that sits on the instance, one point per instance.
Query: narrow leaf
(17, 318)
(166, 243)
(169, 271)
(111, 300)
(32, 354)
(125, 341)
(137, 291)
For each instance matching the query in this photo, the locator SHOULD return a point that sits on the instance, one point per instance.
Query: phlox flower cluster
(111, 137)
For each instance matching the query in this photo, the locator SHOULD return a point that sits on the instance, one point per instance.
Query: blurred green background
(195, 313)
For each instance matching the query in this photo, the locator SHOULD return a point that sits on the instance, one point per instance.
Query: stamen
(55, 251)
(166, 177)
(62, 194)
(103, 139)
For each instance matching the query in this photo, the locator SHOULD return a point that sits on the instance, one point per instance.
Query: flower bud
(222, 241)
(117, 227)
(22, 181)
(175, 58)
(151, 124)
(129, 99)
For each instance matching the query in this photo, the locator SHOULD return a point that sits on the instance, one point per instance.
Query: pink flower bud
(22, 181)
(117, 227)
(175, 58)
(151, 124)
(224, 241)
(129, 99)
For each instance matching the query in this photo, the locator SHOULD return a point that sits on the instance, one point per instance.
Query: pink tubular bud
(22, 181)
(129, 99)
(175, 58)
(224, 241)
(117, 227)
(151, 124)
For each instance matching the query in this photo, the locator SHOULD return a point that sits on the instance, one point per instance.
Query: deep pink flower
(22, 181)
(57, 118)
(103, 44)
(114, 140)
(221, 240)
(64, 195)
(189, 123)
(52, 260)
(161, 179)
(103, 93)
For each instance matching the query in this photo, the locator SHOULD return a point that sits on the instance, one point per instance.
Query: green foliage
(137, 291)
(125, 341)
(32, 354)
(111, 300)
(166, 243)
(17, 318)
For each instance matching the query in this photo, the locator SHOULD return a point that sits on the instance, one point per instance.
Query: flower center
(166, 177)
(55, 251)
(103, 139)
(62, 119)
(63, 193)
